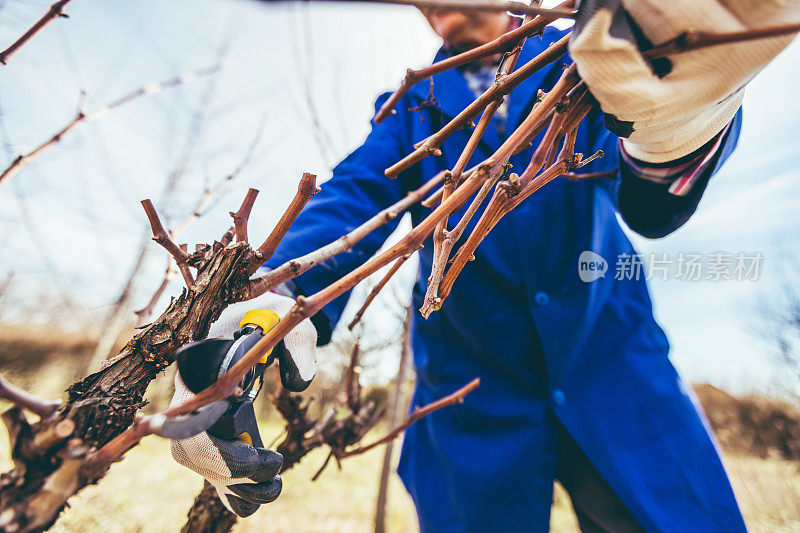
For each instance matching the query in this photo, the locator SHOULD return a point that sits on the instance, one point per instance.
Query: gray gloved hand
(245, 476)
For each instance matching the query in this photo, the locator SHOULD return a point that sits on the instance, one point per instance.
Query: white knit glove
(662, 117)
(243, 475)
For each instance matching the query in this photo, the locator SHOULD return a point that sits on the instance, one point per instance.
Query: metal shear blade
(190, 424)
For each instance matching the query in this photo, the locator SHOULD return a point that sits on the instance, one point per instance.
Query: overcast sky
(311, 73)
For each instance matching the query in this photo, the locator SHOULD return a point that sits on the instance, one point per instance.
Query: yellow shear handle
(263, 318)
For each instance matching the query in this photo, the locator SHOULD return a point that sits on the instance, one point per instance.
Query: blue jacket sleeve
(649, 208)
(357, 190)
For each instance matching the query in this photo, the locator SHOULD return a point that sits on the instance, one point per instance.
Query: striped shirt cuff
(680, 174)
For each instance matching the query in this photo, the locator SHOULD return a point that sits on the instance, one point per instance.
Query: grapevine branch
(242, 216)
(295, 267)
(693, 40)
(203, 202)
(305, 191)
(443, 240)
(161, 236)
(502, 87)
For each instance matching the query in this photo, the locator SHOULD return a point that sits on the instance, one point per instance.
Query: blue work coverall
(551, 350)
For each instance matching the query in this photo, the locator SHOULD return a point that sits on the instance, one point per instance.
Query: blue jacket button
(559, 397)
(541, 298)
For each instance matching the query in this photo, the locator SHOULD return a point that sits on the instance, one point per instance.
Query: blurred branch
(55, 11)
(195, 132)
(144, 314)
(22, 398)
(396, 409)
(22, 161)
(6, 283)
(517, 8)
(118, 318)
(60, 281)
(303, 33)
(209, 193)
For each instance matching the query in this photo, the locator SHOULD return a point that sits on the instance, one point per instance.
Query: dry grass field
(148, 492)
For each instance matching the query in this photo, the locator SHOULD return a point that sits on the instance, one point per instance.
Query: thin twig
(161, 236)
(144, 314)
(305, 191)
(376, 289)
(432, 302)
(55, 11)
(443, 241)
(502, 87)
(420, 412)
(210, 192)
(242, 216)
(605, 174)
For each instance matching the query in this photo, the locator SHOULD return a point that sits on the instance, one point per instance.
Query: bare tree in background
(395, 415)
(777, 320)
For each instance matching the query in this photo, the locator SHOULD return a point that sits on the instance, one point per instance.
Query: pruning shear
(203, 362)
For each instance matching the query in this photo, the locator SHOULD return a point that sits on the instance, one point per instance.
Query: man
(576, 384)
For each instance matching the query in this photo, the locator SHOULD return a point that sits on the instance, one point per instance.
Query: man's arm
(357, 190)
